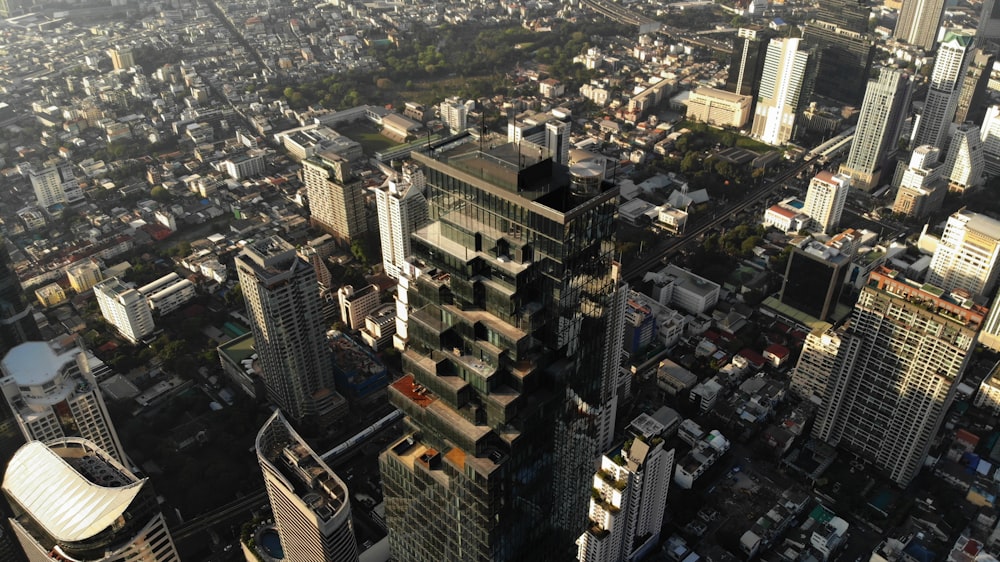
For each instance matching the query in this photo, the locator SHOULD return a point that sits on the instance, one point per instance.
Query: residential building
(944, 88)
(336, 198)
(511, 380)
(965, 162)
(547, 132)
(785, 87)
(814, 279)
(73, 501)
(249, 164)
(680, 288)
(705, 453)
(310, 503)
(922, 186)
(918, 23)
(50, 295)
(52, 391)
(883, 111)
(402, 208)
(988, 395)
(718, 107)
(966, 255)
(896, 371)
(844, 47)
(282, 299)
(122, 58)
(991, 141)
(825, 200)
(54, 184)
(17, 320)
(83, 275)
(972, 97)
(356, 305)
(454, 113)
(125, 309)
(822, 355)
(168, 293)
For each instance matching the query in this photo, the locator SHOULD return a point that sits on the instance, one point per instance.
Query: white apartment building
(966, 256)
(680, 288)
(168, 293)
(825, 200)
(778, 99)
(124, 308)
(402, 208)
(455, 114)
(55, 184)
(945, 85)
(356, 305)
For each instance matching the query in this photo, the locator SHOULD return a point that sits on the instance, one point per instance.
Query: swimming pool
(270, 542)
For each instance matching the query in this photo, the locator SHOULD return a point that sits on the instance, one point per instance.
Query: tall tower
(125, 308)
(402, 208)
(311, 506)
(74, 501)
(966, 256)
(893, 371)
(747, 64)
(336, 199)
(965, 163)
(922, 185)
(17, 321)
(972, 96)
(784, 90)
(880, 123)
(990, 135)
(844, 47)
(825, 200)
(919, 21)
(511, 315)
(943, 91)
(283, 302)
(51, 389)
(988, 31)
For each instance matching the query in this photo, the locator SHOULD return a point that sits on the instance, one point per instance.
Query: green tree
(160, 194)
(358, 250)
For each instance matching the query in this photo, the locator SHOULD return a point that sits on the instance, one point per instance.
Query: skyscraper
(972, 96)
(988, 31)
(17, 321)
(893, 371)
(880, 123)
(73, 501)
(814, 279)
(943, 91)
(919, 21)
(125, 308)
(512, 318)
(51, 389)
(990, 135)
(922, 185)
(402, 208)
(844, 48)
(825, 200)
(747, 63)
(282, 298)
(965, 163)
(966, 256)
(310, 503)
(785, 87)
(336, 198)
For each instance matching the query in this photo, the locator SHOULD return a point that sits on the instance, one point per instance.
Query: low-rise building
(50, 295)
(718, 107)
(672, 378)
(125, 308)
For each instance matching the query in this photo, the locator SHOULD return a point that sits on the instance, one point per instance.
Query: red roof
(970, 438)
(752, 357)
(778, 351)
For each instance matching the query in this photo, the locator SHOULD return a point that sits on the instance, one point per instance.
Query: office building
(356, 305)
(83, 275)
(943, 90)
(972, 96)
(17, 320)
(124, 308)
(282, 299)
(844, 48)
(55, 184)
(511, 317)
(336, 198)
(629, 501)
(814, 279)
(747, 63)
(52, 391)
(918, 23)
(310, 503)
(922, 184)
(785, 88)
(965, 163)
(989, 336)
(718, 107)
(168, 293)
(876, 137)
(74, 501)
(122, 58)
(988, 31)
(545, 132)
(990, 136)
(825, 200)
(966, 255)
(402, 208)
(895, 372)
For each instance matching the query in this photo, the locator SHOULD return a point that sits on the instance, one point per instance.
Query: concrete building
(402, 208)
(918, 23)
(718, 107)
(83, 275)
(898, 365)
(944, 88)
(336, 198)
(455, 114)
(355, 305)
(988, 31)
(548, 131)
(966, 256)
(282, 299)
(705, 453)
(125, 309)
(990, 136)
(51, 388)
(246, 165)
(883, 111)
(814, 279)
(54, 184)
(50, 295)
(168, 293)
(972, 97)
(844, 48)
(747, 63)
(988, 394)
(122, 58)
(74, 501)
(922, 186)
(785, 87)
(825, 200)
(965, 163)
(682, 289)
(380, 326)
(310, 503)
(818, 362)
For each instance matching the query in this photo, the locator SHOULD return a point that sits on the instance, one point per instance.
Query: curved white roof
(67, 505)
(35, 363)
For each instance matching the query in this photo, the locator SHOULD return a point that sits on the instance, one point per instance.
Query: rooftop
(36, 363)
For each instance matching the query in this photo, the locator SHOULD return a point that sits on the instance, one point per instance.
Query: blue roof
(918, 552)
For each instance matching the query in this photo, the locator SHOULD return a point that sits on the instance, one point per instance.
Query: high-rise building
(821, 361)
(629, 501)
(785, 87)
(825, 200)
(919, 21)
(125, 308)
(122, 58)
(922, 185)
(965, 162)
(990, 135)
(17, 320)
(310, 503)
(814, 279)
(545, 132)
(747, 63)
(887, 98)
(83, 275)
(74, 501)
(966, 256)
(895, 371)
(989, 336)
(972, 96)
(943, 91)
(336, 198)
(11, 8)
(402, 208)
(844, 48)
(52, 391)
(282, 298)
(988, 31)
(54, 184)
(511, 316)
(455, 114)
